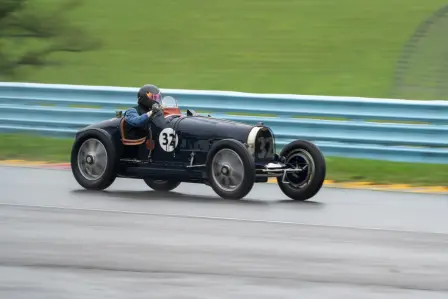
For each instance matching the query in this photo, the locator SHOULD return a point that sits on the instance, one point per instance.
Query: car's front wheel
(93, 162)
(305, 156)
(230, 169)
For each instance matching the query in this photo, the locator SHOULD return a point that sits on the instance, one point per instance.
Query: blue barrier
(365, 128)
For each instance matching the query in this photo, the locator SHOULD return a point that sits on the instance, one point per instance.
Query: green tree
(30, 33)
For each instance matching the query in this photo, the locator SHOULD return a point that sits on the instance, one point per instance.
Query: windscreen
(169, 102)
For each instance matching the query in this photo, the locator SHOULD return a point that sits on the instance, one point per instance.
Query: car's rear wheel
(230, 169)
(161, 185)
(303, 185)
(93, 162)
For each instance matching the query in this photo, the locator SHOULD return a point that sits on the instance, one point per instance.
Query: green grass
(339, 169)
(343, 47)
(34, 148)
(385, 172)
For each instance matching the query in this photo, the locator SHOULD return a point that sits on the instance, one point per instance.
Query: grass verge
(34, 148)
(344, 47)
(37, 148)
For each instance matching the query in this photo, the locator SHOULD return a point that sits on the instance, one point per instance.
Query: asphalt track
(59, 241)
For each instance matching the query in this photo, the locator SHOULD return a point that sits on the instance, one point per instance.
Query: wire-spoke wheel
(306, 157)
(300, 159)
(93, 162)
(231, 169)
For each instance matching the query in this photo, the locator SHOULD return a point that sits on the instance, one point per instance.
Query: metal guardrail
(385, 129)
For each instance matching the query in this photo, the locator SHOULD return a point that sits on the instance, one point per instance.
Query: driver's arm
(131, 116)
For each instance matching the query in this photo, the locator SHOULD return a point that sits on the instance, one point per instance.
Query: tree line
(30, 34)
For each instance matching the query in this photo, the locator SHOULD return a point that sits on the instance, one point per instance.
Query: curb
(327, 183)
(386, 187)
(35, 164)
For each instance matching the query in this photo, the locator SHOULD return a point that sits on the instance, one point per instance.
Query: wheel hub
(225, 170)
(90, 159)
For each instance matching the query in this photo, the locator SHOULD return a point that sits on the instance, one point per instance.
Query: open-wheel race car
(174, 148)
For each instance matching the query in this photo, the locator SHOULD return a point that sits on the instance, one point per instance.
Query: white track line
(219, 218)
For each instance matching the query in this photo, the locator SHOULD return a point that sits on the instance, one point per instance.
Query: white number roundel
(168, 140)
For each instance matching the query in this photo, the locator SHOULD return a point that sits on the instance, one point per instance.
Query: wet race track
(59, 241)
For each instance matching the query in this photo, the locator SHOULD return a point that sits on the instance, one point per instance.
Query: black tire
(248, 166)
(313, 182)
(161, 185)
(108, 176)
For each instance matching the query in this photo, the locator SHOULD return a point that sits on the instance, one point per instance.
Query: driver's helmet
(149, 95)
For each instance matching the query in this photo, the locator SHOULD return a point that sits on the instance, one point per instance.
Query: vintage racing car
(226, 155)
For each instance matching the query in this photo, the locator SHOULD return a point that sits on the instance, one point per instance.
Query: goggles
(157, 97)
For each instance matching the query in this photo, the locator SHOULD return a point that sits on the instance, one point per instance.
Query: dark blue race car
(173, 148)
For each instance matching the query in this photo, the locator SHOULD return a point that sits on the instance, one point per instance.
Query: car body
(228, 156)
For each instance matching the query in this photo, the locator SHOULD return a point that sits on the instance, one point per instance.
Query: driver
(147, 96)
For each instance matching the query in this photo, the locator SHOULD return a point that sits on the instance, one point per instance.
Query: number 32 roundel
(168, 139)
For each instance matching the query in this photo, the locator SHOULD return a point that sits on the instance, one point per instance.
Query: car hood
(209, 127)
